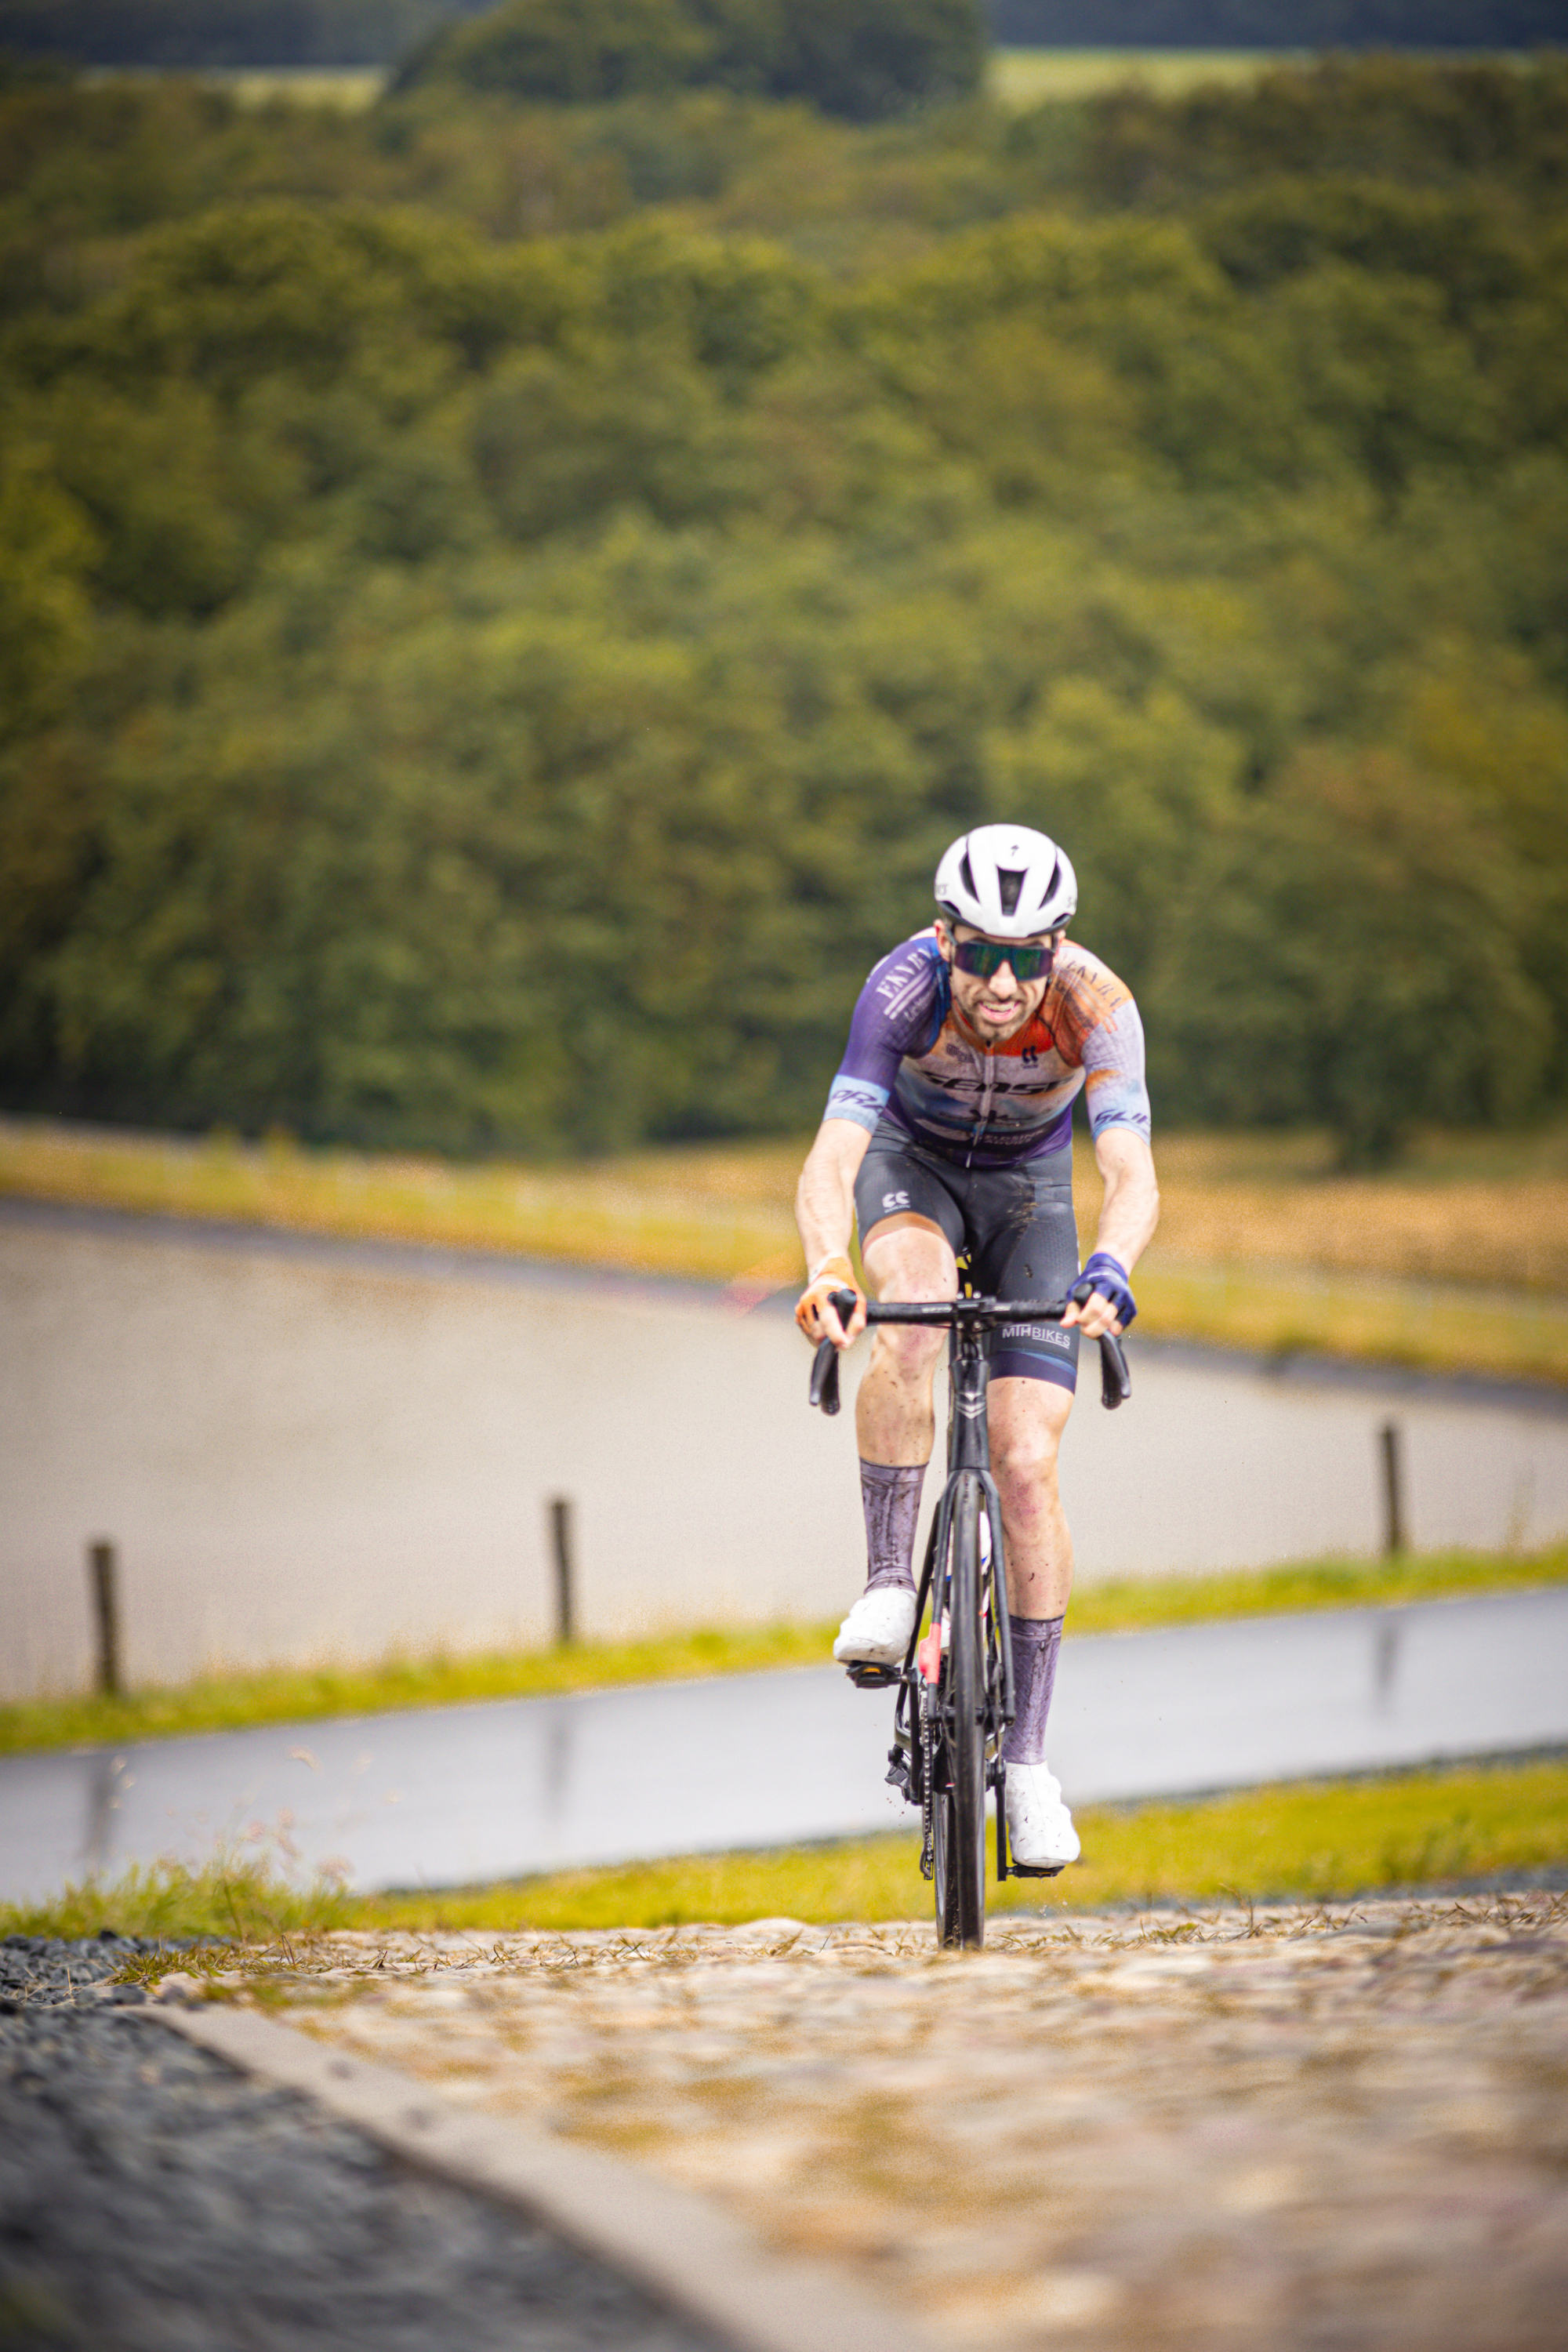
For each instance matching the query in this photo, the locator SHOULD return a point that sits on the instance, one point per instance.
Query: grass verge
(1316, 1840)
(1261, 1247)
(1024, 78)
(712, 1214)
(1423, 1329)
(243, 1702)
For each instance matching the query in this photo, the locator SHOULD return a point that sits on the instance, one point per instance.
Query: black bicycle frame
(972, 1324)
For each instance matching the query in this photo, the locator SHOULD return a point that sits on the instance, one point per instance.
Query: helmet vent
(966, 875)
(1011, 885)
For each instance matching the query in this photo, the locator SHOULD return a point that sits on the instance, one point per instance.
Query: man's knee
(1026, 1432)
(1024, 1462)
(907, 1352)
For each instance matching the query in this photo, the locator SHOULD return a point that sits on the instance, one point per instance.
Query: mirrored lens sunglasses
(985, 957)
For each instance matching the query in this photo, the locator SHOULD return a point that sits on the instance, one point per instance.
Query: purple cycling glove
(1105, 1275)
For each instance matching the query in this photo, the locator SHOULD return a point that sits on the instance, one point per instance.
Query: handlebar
(975, 1314)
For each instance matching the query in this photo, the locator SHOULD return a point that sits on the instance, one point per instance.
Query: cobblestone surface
(1325, 2128)
(153, 2200)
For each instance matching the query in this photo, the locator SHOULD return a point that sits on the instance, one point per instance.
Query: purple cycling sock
(1036, 1641)
(890, 1493)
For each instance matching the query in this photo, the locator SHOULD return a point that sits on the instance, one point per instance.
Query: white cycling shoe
(877, 1629)
(1040, 1834)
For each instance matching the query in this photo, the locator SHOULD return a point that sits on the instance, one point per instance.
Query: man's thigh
(1025, 1246)
(897, 1192)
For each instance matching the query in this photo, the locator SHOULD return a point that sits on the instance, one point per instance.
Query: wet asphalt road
(153, 2200)
(307, 1449)
(455, 1795)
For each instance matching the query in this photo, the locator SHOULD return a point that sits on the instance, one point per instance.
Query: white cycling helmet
(1007, 881)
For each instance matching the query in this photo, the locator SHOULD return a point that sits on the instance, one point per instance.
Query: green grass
(1315, 1839)
(1436, 1328)
(242, 1702)
(1023, 77)
(234, 1901)
(1319, 1839)
(1132, 1606)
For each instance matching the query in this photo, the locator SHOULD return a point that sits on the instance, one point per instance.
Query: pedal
(1034, 1869)
(866, 1676)
(897, 1775)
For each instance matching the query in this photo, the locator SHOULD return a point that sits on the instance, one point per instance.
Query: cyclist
(948, 1128)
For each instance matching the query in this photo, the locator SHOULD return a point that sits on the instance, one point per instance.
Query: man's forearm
(1130, 1209)
(824, 1200)
(824, 1213)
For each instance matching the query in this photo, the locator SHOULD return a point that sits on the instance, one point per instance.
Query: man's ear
(943, 940)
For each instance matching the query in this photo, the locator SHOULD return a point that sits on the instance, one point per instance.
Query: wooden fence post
(565, 1595)
(1390, 1441)
(103, 1568)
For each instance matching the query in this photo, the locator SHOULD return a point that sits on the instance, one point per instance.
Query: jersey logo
(899, 988)
(895, 1200)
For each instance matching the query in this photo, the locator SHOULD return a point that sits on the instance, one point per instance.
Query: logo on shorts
(895, 1200)
(1044, 1335)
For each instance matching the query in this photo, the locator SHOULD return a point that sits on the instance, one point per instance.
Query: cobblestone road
(1324, 2128)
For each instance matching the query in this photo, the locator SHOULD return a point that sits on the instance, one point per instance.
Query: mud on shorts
(1016, 1224)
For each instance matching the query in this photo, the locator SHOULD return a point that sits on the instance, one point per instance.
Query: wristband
(1109, 1276)
(837, 1258)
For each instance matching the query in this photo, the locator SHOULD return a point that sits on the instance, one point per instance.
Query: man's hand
(817, 1318)
(1101, 1298)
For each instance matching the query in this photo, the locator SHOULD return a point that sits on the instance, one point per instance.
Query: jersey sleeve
(1107, 1042)
(893, 1016)
(1115, 1091)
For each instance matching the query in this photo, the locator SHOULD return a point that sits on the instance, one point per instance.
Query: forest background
(503, 600)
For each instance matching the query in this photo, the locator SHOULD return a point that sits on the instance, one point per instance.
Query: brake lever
(1115, 1379)
(825, 1364)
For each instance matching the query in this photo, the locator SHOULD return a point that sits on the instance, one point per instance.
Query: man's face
(999, 1006)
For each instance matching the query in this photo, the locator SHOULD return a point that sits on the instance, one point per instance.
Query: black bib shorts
(1017, 1223)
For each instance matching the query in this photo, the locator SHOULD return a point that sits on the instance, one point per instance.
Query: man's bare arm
(1128, 1216)
(824, 1213)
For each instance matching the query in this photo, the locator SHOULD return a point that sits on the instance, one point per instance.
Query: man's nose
(1003, 982)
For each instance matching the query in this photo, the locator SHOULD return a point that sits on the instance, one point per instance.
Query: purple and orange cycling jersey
(910, 1058)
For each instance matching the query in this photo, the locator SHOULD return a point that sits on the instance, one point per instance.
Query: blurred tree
(861, 58)
(47, 553)
(476, 678)
(1344, 952)
(185, 33)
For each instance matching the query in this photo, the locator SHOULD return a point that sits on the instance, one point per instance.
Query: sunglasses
(985, 957)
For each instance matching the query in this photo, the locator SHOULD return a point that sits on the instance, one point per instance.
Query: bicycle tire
(959, 1823)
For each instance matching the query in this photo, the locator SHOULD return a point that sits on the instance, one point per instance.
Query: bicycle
(956, 1686)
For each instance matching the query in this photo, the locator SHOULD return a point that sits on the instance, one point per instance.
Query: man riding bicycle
(949, 1129)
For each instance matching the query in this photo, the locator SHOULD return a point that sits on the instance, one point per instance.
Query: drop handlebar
(971, 1314)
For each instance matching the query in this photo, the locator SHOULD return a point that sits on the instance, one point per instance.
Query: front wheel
(958, 1821)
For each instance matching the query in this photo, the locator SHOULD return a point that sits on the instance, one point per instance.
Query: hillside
(503, 604)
